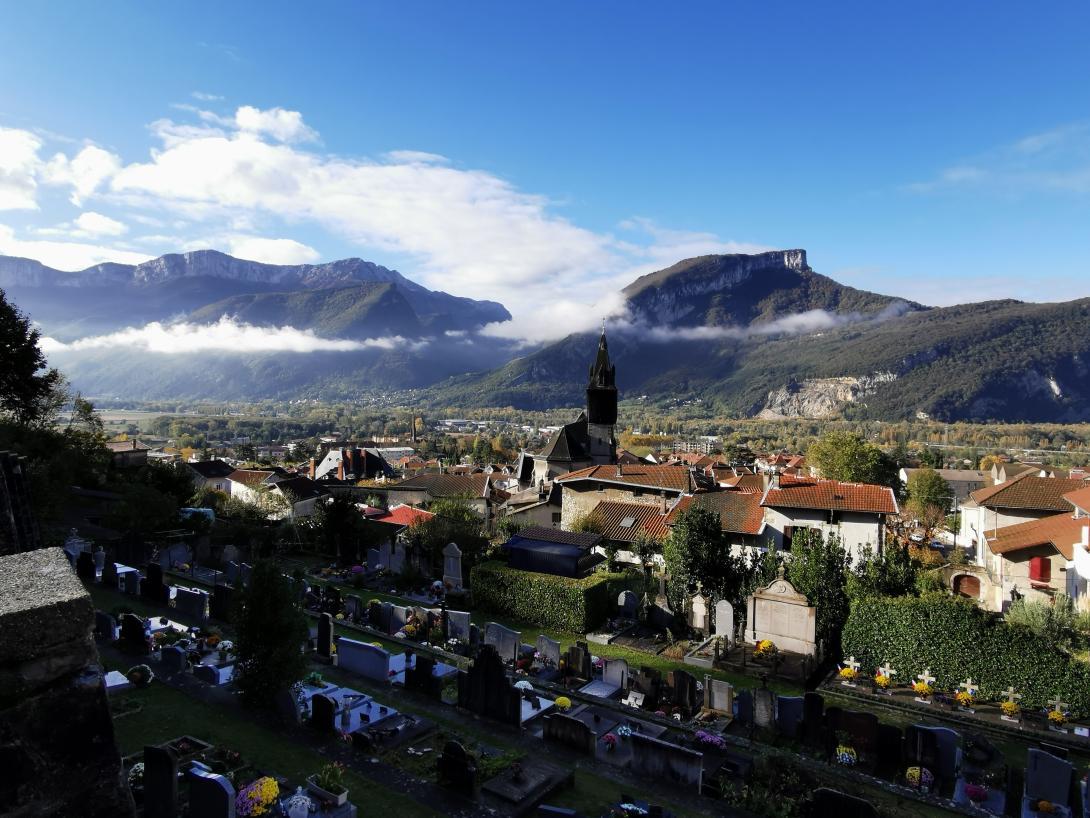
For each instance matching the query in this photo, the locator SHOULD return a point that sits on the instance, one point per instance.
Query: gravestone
(363, 658)
(109, 575)
(207, 674)
(245, 571)
(133, 637)
(1048, 778)
(764, 707)
(232, 572)
(724, 621)
(615, 674)
(570, 732)
(191, 603)
(745, 708)
(889, 749)
(648, 683)
(506, 641)
(85, 566)
(374, 558)
(131, 583)
(718, 696)
(172, 659)
(398, 617)
(936, 748)
(861, 729)
(778, 612)
(485, 690)
(627, 604)
(789, 711)
(152, 589)
(210, 795)
(452, 567)
(222, 602)
(698, 613)
(160, 782)
(813, 719)
(549, 650)
(458, 769)
(420, 677)
(353, 608)
(458, 624)
(655, 759)
(105, 627)
(100, 560)
(323, 712)
(325, 635)
(287, 707)
(381, 615)
(683, 687)
(577, 661)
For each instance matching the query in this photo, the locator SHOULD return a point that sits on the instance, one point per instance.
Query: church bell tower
(602, 406)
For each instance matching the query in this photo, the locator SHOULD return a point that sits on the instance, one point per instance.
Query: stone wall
(57, 748)
(18, 527)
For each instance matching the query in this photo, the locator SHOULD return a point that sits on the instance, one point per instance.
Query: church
(589, 440)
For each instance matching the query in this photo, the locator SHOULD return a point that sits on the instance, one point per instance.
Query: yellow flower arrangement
(882, 681)
(1010, 709)
(847, 674)
(1057, 718)
(965, 698)
(922, 689)
(1045, 807)
(563, 703)
(765, 648)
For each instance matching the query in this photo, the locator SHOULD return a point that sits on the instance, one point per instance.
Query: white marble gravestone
(452, 567)
(724, 620)
(780, 613)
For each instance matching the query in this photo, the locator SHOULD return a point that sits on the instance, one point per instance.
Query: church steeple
(602, 406)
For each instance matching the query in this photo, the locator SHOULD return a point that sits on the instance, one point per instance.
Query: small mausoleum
(552, 551)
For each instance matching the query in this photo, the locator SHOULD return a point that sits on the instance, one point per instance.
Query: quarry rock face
(57, 748)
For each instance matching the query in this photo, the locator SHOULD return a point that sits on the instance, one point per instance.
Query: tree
(891, 573)
(271, 627)
(454, 521)
(819, 569)
(931, 457)
(30, 393)
(848, 457)
(696, 551)
(926, 487)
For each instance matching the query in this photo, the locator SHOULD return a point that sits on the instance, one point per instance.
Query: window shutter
(1040, 569)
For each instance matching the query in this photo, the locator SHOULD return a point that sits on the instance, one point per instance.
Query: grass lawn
(167, 713)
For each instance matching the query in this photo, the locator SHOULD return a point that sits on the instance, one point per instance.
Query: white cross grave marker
(850, 662)
(926, 677)
(969, 687)
(1056, 704)
(887, 671)
(1012, 697)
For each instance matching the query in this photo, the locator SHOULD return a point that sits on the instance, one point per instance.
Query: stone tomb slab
(527, 711)
(116, 681)
(398, 666)
(537, 780)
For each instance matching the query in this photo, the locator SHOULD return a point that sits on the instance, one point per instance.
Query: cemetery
(495, 711)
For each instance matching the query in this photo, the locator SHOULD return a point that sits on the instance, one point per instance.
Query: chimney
(340, 469)
(313, 467)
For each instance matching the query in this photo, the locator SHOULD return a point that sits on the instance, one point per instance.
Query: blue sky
(544, 154)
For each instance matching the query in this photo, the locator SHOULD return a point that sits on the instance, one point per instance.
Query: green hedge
(957, 640)
(574, 605)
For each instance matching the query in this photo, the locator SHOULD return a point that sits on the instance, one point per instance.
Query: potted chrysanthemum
(328, 783)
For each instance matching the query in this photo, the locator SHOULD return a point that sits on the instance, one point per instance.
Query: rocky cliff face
(821, 397)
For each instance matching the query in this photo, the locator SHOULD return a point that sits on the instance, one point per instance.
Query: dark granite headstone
(222, 602)
(813, 719)
(744, 700)
(105, 627)
(210, 795)
(172, 659)
(131, 583)
(484, 689)
(152, 589)
(683, 690)
(859, 729)
(421, 678)
(132, 636)
(889, 749)
(570, 732)
(325, 635)
(648, 683)
(627, 604)
(160, 782)
(353, 608)
(85, 566)
(789, 715)
(287, 706)
(577, 662)
(323, 712)
(109, 575)
(191, 604)
(207, 674)
(935, 748)
(458, 769)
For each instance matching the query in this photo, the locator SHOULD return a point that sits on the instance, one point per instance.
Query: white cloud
(282, 125)
(93, 225)
(272, 251)
(225, 336)
(203, 97)
(19, 163)
(84, 172)
(65, 255)
(417, 158)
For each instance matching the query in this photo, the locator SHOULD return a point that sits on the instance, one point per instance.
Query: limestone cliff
(821, 397)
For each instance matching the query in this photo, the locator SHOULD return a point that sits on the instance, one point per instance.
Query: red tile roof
(1080, 499)
(403, 515)
(830, 495)
(1061, 531)
(250, 477)
(671, 478)
(739, 512)
(746, 482)
(641, 518)
(1030, 492)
